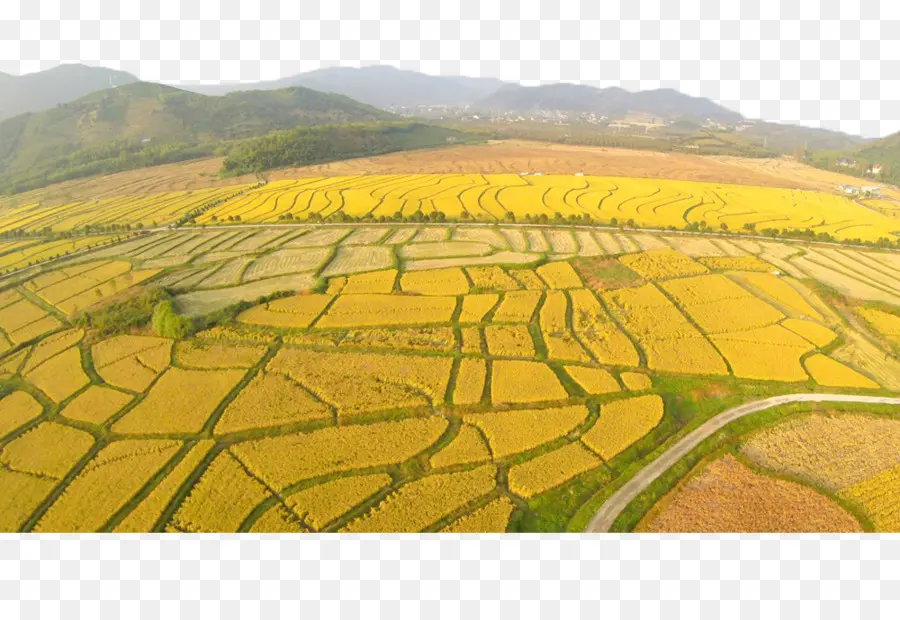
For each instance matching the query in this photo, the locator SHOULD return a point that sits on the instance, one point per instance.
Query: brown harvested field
(189, 175)
(507, 156)
(792, 171)
(728, 496)
(514, 156)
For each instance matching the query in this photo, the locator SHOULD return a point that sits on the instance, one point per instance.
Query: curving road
(616, 503)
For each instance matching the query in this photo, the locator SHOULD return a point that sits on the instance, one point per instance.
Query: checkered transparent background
(830, 63)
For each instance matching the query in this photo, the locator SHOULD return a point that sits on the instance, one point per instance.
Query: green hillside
(145, 124)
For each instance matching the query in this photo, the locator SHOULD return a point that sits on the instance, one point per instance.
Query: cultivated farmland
(464, 350)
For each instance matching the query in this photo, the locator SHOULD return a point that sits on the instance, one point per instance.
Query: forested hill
(319, 144)
(145, 124)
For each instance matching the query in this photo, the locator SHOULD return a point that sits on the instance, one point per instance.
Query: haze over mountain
(382, 86)
(34, 92)
(615, 102)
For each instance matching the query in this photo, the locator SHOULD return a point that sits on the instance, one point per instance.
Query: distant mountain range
(379, 86)
(613, 102)
(34, 92)
(72, 113)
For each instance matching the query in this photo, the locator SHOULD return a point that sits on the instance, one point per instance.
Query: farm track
(604, 518)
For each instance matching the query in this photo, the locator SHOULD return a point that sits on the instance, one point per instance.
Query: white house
(876, 168)
(849, 189)
(871, 190)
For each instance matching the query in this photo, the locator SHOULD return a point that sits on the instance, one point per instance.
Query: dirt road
(616, 503)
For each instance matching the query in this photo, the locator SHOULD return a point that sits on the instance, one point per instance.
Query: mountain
(883, 152)
(613, 102)
(131, 123)
(34, 92)
(380, 86)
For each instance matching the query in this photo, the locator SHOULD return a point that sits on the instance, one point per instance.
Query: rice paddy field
(418, 378)
(821, 472)
(479, 374)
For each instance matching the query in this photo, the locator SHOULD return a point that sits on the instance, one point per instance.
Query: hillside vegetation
(312, 145)
(147, 124)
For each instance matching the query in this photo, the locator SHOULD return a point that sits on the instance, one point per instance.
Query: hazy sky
(826, 63)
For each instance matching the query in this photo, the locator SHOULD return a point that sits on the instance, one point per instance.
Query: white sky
(828, 63)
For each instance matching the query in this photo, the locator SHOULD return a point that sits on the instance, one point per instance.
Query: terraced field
(501, 375)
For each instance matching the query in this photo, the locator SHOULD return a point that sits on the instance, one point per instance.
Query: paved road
(616, 503)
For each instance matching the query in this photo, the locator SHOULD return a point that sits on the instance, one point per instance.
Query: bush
(124, 315)
(169, 324)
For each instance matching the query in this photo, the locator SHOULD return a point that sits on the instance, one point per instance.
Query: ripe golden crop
(884, 323)
(828, 372)
(736, 263)
(142, 518)
(550, 470)
(295, 311)
(422, 502)
(671, 343)
(817, 334)
(511, 432)
(467, 447)
(131, 362)
(493, 278)
(48, 450)
(287, 459)
(380, 381)
(622, 423)
(517, 307)
(509, 341)
(527, 279)
(375, 282)
(50, 346)
(519, 381)
(270, 399)
(436, 339)
(221, 499)
(492, 517)
(16, 409)
(593, 380)
(783, 294)
(180, 402)
(636, 381)
(475, 307)
(469, 382)
(213, 355)
(831, 451)
(106, 483)
(320, 505)
(598, 333)
(378, 310)
(96, 404)
(559, 275)
(60, 376)
(662, 263)
(878, 498)
(561, 343)
(22, 493)
(471, 341)
(451, 281)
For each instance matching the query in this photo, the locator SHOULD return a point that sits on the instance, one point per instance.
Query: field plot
(653, 203)
(73, 289)
(727, 496)
(418, 380)
(850, 455)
